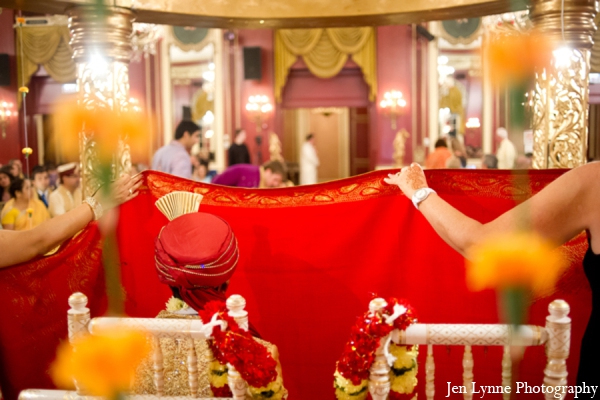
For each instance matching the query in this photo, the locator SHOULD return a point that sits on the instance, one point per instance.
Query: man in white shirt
(68, 194)
(309, 161)
(506, 154)
(174, 158)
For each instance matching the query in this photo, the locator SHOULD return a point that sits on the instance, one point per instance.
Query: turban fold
(196, 253)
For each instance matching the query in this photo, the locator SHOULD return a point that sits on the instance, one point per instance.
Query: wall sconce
(392, 105)
(258, 106)
(5, 113)
(473, 123)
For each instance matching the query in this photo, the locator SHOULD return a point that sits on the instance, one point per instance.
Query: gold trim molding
(278, 14)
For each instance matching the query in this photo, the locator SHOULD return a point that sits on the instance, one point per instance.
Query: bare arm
(559, 212)
(20, 246)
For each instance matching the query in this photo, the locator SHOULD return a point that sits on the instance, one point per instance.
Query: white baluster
(192, 362)
(429, 373)
(78, 316)
(157, 357)
(468, 373)
(379, 378)
(236, 304)
(506, 371)
(558, 327)
(238, 386)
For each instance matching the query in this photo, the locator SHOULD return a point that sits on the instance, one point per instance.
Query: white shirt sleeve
(56, 204)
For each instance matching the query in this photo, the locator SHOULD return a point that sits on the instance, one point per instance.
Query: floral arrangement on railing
(236, 346)
(351, 377)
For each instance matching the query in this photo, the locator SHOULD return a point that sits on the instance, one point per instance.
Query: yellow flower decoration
(27, 151)
(217, 374)
(175, 304)
(515, 260)
(24, 89)
(29, 211)
(103, 365)
(345, 390)
(273, 391)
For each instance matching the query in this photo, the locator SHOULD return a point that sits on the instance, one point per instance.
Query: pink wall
(11, 146)
(262, 38)
(394, 69)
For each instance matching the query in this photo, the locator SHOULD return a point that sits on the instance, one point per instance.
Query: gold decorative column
(560, 97)
(101, 42)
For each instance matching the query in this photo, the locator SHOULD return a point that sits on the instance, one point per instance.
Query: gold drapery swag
(325, 52)
(48, 46)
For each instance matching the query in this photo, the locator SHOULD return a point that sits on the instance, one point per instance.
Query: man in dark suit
(238, 152)
(41, 183)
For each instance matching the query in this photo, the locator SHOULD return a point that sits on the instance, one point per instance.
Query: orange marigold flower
(20, 20)
(514, 57)
(102, 365)
(27, 151)
(515, 260)
(24, 89)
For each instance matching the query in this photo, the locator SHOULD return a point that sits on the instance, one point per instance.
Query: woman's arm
(19, 246)
(559, 212)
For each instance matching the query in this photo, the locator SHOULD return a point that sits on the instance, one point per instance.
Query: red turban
(196, 253)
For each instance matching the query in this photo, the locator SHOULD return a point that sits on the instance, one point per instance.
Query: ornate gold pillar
(101, 42)
(560, 97)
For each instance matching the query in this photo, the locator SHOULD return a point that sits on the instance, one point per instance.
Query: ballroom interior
(377, 83)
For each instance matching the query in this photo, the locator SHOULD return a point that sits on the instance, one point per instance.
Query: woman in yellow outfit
(24, 210)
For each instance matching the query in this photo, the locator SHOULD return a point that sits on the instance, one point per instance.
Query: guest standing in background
(41, 183)
(507, 154)
(309, 161)
(174, 158)
(238, 152)
(6, 179)
(16, 168)
(438, 158)
(68, 194)
(52, 176)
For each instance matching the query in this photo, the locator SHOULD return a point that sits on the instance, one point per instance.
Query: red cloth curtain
(311, 258)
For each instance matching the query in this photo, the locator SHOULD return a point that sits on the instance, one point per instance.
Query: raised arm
(19, 246)
(559, 212)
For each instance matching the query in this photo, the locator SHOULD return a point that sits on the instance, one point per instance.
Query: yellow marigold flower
(175, 304)
(27, 151)
(217, 374)
(345, 390)
(515, 260)
(273, 391)
(103, 365)
(405, 383)
(29, 211)
(24, 89)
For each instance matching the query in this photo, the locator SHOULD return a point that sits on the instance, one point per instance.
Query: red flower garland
(237, 347)
(221, 392)
(359, 352)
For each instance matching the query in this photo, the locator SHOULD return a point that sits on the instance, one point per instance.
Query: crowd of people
(27, 201)
(450, 152)
(175, 158)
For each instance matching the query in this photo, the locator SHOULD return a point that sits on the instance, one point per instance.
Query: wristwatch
(420, 195)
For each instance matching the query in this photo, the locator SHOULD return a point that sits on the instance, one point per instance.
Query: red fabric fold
(311, 258)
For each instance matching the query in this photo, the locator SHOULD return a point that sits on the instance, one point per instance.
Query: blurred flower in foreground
(516, 265)
(107, 126)
(514, 57)
(102, 365)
